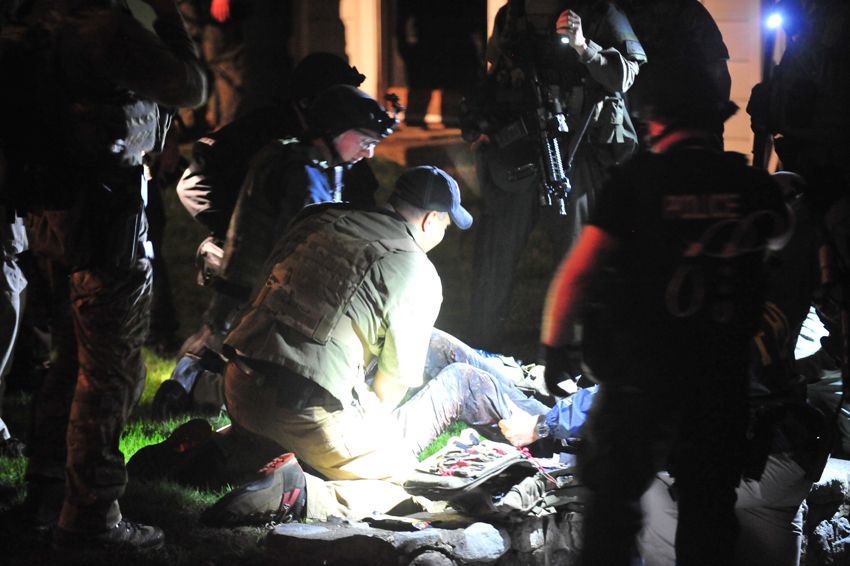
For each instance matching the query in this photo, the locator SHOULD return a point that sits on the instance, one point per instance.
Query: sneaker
(126, 535)
(158, 461)
(278, 495)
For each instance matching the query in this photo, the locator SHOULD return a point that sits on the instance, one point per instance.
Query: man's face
(354, 145)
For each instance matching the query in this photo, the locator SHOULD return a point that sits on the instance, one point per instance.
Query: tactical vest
(320, 266)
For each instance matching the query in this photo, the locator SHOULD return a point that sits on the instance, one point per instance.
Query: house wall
(740, 23)
(362, 22)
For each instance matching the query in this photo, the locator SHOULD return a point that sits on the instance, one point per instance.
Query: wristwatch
(541, 428)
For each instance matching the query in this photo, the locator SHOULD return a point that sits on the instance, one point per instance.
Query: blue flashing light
(774, 21)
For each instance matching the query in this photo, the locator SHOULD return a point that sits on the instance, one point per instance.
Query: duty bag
(494, 480)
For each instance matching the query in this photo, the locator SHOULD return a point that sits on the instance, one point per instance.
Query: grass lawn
(174, 508)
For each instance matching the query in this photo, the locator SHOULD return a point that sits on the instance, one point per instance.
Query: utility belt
(293, 392)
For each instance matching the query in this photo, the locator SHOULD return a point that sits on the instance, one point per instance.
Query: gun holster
(124, 235)
(208, 260)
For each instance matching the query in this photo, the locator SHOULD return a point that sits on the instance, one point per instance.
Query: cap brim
(461, 217)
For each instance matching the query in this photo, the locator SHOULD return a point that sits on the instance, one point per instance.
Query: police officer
(90, 222)
(802, 109)
(803, 106)
(440, 43)
(666, 281)
(208, 190)
(220, 160)
(345, 287)
(342, 126)
(586, 57)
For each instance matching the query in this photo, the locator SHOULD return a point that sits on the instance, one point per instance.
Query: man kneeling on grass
(347, 288)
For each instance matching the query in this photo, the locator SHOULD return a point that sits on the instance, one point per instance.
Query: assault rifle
(551, 124)
(548, 127)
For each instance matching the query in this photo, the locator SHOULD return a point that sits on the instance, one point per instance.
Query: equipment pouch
(511, 168)
(612, 132)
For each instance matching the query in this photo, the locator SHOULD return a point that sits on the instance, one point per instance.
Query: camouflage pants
(100, 320)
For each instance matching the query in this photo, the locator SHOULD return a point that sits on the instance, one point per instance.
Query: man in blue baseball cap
(348, 292)
(430, 188)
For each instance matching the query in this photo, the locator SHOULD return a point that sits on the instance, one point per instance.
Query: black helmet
(343, 107)
(674, 92)
(318, 71)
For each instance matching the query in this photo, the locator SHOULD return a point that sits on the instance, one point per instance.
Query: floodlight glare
(774, 21)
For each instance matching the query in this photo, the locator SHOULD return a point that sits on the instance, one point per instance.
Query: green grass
(159, 369)
(12, 472)
(453, 430)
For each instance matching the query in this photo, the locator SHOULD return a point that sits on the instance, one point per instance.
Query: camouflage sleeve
(614, 61)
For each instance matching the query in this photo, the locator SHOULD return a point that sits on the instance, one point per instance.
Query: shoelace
(527, 455)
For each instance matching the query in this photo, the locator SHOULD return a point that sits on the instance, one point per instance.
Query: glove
(562, 363)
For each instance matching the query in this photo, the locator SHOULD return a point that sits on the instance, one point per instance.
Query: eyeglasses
(367, 142)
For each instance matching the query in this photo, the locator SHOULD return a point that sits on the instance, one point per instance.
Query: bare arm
(567, 290)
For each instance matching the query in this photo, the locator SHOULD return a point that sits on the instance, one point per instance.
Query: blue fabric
(568, 415)
(319, 189)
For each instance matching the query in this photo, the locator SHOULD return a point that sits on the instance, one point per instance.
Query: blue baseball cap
(430, 188)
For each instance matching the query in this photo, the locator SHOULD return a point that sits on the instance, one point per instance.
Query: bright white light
(565, 40)
(774, 21)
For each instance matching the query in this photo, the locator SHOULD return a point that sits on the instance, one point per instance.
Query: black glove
(562, 363)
